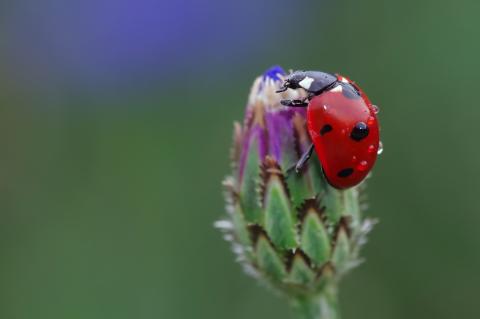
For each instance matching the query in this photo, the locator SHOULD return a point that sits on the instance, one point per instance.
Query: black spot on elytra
(345, 172)
(325, 129)
(359, 132)
(349, 91)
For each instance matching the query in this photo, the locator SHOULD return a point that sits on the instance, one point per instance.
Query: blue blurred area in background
(115, 127)
(104, 43)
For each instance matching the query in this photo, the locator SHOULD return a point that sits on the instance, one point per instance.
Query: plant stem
(321, 306)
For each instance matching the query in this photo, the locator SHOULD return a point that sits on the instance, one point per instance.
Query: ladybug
(341, 122)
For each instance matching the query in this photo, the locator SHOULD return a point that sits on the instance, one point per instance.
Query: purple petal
(273, 73)
(256, 134)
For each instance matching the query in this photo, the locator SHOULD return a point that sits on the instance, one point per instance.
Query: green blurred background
(116, 121)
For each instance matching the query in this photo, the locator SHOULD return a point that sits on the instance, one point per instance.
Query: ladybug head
(292, 81)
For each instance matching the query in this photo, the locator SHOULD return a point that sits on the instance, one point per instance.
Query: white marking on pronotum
(337, 88)
(305, 83)
(344, 80)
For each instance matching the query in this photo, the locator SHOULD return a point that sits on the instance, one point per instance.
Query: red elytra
(345, 133)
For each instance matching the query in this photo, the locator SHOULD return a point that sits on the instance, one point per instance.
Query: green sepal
(316, 175)
(341, 251)
(241, 231)
(300, 273)
(333, 201)
(249, 196)
(299, 190)
(279, 217)
(352, 207)
(307, 183)
(314, 239)
(299, 184)
(268, 261)
(326, 276)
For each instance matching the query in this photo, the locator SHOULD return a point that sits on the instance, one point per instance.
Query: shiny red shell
(347, 154)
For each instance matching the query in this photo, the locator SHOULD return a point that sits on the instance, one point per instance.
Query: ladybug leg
(302, 161)
(298, 103)
(295, 103)
(282, 89)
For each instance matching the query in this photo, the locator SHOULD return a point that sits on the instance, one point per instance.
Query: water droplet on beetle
(362, 166)
(380, 148)
(371, 149)
(370, 121)
(354, 159)
(375, 108)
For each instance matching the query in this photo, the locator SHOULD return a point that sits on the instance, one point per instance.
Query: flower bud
(291, 230)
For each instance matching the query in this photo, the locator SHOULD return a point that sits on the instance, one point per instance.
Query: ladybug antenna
(283, 88)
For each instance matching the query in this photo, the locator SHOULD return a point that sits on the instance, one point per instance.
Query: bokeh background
(115, 124)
